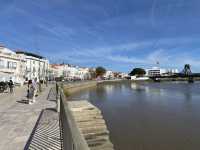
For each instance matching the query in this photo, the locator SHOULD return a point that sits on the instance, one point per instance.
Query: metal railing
(72, 137)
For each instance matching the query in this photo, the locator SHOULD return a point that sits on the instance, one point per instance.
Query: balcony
(7, 70)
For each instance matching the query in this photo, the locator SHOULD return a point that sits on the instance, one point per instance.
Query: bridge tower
(187, 72)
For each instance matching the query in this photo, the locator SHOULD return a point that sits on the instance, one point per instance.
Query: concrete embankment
(91, 125)
(87, 120)
(110, 81)
(71, 88)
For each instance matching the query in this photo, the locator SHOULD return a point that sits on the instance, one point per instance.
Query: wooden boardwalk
(91, 124)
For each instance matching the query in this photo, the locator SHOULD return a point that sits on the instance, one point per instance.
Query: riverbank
(110, 81)
(167, 79)
(73, 87)
(178, 79)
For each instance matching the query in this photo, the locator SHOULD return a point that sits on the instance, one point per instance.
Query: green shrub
(66, 92)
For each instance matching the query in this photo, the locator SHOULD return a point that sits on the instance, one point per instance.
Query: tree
(137, 72)
(92, 73)
(100, 71)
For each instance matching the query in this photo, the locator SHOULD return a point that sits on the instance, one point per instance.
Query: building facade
(84, 73)
(12, 66)
(69, 72)
(109, 74)
(36, 66)
(56, 71)
(156, 71)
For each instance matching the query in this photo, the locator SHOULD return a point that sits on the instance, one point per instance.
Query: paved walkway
(17, 119)
(47, 134)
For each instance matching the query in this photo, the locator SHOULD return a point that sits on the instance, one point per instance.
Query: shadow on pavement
(46, 133)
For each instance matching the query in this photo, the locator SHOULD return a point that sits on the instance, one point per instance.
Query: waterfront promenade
(18, 120)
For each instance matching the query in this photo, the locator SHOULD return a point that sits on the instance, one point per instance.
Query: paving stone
(17, 119)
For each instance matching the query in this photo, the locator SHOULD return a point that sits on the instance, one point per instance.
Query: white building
(135, 78)
(56, 71)
(156, 71)
(69, 72)
(12, 66)
(84, 73)
(36, 66)
(109, 74)
(170, 72)
(72, 72)
(77, 73)
(123, 75)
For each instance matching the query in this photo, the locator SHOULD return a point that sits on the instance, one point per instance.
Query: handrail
(72, 137)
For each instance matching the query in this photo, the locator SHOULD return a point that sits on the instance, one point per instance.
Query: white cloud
(169, 58)
(149, 59)
(125, 59)
(158, 56)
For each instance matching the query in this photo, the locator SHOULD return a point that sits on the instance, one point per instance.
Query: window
(34, 70)
(9, 65)
(14, 65)
(2, 63)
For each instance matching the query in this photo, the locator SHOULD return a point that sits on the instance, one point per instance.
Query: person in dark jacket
(30, 92)
(11, 86)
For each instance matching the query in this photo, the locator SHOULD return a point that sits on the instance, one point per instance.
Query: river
(149, 116)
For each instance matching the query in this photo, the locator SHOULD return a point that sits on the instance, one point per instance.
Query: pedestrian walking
(34, 88)
(46, 81)
(40, 85)
(11, 86)
(30, 92)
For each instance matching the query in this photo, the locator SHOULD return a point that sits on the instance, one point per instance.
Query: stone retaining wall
(71, 88)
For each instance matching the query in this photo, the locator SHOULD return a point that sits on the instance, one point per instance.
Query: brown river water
(149, 116)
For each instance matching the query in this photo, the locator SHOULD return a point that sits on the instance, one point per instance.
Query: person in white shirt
(34, 86)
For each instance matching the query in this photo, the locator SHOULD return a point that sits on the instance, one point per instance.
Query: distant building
(12, 66)
(84, 73)
(69, 72)
(56, 71)
(135, 78)
(109, 74)
(156, 71)
(36, 66)
(72, 72)
(170, 72)
(123, 75)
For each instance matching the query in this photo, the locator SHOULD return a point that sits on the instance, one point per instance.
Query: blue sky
(117, 34)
